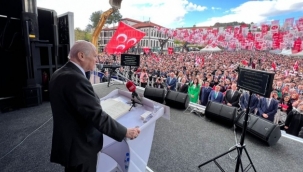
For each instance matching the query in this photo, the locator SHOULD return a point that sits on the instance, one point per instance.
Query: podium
(130, 155)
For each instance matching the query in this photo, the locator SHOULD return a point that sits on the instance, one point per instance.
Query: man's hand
(265, 115)
(132, 133)
(228, 104)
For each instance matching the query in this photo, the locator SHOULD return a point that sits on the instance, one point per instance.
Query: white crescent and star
(134, 40)
(120, 47)
(122, 35)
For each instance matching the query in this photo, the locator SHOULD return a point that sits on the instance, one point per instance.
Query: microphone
(132, 88)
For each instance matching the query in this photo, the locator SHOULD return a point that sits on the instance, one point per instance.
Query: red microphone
(131, 86)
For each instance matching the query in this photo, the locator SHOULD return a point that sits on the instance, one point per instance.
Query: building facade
(150, 40)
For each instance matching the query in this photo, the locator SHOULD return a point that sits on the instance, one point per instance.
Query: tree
(82, 35)
(94, 18)
(162, 43)
(115, 17)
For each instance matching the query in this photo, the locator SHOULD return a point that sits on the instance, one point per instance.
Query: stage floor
(180, 144)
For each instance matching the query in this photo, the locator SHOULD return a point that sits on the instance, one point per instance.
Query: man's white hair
(81, 46)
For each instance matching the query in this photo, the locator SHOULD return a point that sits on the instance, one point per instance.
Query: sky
(183, 13)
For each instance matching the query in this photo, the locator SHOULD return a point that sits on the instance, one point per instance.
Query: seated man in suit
(232, 96)
(204, 93)
(268, 107)
(254, 101)
(216, 95)
(171, 82)
(182, 86)
(79, 121)
(158, 83)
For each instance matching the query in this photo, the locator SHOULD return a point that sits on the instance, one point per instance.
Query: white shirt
(82, 70)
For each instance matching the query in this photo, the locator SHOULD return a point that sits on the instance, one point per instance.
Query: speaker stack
(261, 128)
(221, 113)
(177, 100)
(172, 98)
(155, 94)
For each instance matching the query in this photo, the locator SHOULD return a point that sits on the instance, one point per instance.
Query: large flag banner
(124, 38)
(299, 24)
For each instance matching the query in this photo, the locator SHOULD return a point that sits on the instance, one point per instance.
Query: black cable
(25, 139)
(14, 36)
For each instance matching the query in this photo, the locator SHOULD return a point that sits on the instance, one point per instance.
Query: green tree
(115, 17)
(94, 18)
(82, 35)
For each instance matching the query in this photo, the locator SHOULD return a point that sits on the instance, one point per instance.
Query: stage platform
(180, 144)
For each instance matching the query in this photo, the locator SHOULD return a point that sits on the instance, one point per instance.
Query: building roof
(197, 27)
(110, 28)
(145, 24)
(139, 24)
(132, 20)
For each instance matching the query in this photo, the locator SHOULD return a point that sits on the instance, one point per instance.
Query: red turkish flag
(146, 50)
(299, 24)
(170, 50)
(124, 38)
(297, 46)
(296, 66)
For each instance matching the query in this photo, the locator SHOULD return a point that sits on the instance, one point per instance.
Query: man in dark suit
(182, 86)
(204, 93)
(232, 96)
(254, 101)
(79, 121)
(171, 82)
(268, 107)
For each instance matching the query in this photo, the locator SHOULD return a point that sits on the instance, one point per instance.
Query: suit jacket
(183, 89)
(204, 94)
(212, 96)
(253, 102)
(232, 99)
(172, 82)
(79, 122)
(270, 110)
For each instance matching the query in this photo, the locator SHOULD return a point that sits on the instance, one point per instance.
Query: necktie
(232, 93)
(216, 95)
(268, 102)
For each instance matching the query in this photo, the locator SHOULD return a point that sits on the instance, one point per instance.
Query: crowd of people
(212, 76)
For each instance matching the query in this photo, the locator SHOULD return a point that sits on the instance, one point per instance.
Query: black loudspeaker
(177, 100)
(221, 113)
(30, 19)
(261, 128)
(155, 94)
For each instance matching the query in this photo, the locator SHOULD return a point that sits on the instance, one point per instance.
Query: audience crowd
(212, 76)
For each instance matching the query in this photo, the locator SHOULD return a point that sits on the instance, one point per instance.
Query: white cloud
(194, 7)
(215, 8)
(256, 11)
(168, 13)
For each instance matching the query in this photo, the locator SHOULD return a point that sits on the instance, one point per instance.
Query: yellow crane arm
(100, 25)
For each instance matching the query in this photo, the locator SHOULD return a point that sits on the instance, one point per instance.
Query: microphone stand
(133, 102)
(239, 147)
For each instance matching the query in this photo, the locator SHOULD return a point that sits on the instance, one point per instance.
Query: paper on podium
(115, 108)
